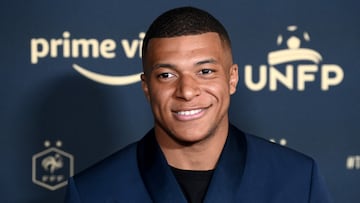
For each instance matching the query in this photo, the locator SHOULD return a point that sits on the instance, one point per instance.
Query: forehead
(188, 46)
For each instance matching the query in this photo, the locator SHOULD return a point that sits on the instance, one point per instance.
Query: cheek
(219, 90)
(159, 95)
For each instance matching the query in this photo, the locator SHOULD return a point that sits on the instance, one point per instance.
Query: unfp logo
(293, 66)
(52, 167)
(72, 48)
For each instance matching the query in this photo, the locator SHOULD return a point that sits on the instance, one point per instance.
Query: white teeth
(189, 113)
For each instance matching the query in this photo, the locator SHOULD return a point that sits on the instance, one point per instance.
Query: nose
(187, 88)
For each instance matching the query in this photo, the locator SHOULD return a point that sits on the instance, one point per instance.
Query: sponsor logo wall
(71, 93)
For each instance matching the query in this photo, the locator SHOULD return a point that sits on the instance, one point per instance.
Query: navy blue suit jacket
(250, 169)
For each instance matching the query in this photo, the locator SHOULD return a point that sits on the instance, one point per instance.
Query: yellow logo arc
(106, 79)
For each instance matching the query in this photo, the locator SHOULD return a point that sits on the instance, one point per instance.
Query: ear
(145, 87)
(234, 78)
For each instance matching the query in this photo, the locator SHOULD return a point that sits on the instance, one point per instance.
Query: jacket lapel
(156, 174)
(227, 176)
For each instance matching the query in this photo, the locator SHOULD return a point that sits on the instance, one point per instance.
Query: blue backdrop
(68, 97)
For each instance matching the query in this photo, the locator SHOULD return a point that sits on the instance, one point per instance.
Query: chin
(190, 140)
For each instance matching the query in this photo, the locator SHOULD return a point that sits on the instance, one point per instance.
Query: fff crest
(52, 167)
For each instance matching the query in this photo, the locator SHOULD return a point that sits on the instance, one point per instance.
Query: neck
(200, 155)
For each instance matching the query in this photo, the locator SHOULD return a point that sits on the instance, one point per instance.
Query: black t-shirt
(194, 184)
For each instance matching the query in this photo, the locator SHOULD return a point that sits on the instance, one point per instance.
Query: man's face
(188, 81)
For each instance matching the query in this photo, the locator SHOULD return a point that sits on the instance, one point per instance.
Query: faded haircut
(184, 21)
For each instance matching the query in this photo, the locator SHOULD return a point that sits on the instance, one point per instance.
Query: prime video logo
(67, 47)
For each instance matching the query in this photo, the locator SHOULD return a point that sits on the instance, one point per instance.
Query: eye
(165, 75)
(206, 71)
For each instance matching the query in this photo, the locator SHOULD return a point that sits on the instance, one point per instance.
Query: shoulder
(260, 149)
(274, 153)
(115, 176)
(285, 172)
(287, 175)
(120, 161)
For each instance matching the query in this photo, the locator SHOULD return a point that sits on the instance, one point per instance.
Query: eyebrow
(210, 60)
(172, 66)
(163, 65)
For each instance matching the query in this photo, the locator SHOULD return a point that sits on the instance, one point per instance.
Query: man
(193, 153)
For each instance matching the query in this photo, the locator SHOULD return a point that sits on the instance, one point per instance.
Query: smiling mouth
(190, 112)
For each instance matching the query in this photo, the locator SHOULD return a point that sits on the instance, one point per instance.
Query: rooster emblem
(52, 163)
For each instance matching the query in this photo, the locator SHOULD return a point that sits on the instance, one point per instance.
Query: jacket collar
(162, 185)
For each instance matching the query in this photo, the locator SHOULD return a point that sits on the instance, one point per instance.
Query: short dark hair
(184, 21)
